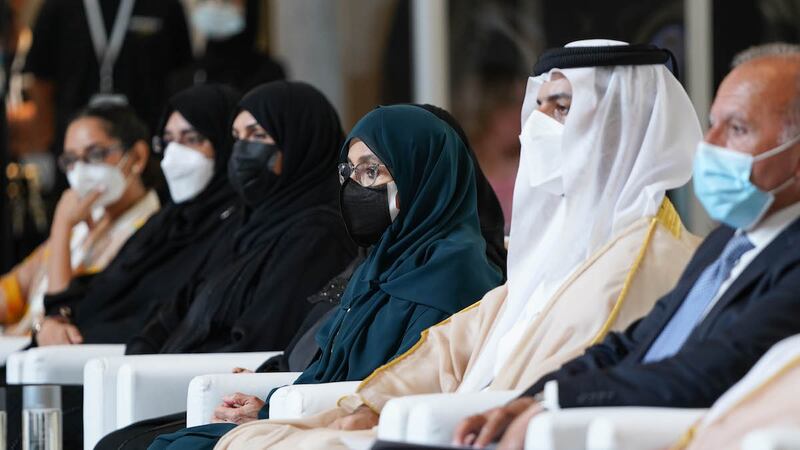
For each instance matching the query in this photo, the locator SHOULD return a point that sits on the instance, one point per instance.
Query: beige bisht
(623, 279)
(766, 397)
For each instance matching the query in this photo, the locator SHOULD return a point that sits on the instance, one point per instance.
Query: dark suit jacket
(760, 308)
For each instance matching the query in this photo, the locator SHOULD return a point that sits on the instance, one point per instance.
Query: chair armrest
(773, 438)
(636, 428)
(432, 418)
(57, 364)
(205, 392)
(151, 386)
(303, 400)
(10, 345)
(561, 430)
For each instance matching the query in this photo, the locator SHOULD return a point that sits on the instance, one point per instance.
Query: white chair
(122, 390)
(432, 418)
(57, 364)
(636, 428)
(11, 344)
(303, 400)
(773, 438)
(288, 402)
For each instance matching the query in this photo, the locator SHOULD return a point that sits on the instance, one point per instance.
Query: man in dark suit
(740, 293)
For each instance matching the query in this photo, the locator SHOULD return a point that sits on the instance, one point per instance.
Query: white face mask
(85, 178)
(218, 20)
(187, 171)
(541, 156)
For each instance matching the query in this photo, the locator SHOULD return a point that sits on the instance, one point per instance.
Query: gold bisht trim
(15, 305)
(686, 439)
(422, 337)
(669, 218)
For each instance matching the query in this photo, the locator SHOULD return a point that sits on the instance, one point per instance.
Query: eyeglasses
(365, 174)
(94, 154)
(189, 138)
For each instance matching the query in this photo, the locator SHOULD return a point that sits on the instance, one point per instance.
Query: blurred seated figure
(230, 56)
(765, 398)
(408, 191)
(738, 295)
(167, 252)
(286, 243)
(108, 164)
(581, 196)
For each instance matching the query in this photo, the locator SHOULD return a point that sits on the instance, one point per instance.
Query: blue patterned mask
(722, 184)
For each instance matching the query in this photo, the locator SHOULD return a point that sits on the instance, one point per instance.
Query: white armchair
(206, 391)
(11, 344)
(432, 418)
(119, 391)
(57, 364)
(288, 402)
(303, 400)
(635, 428)
(773, 438)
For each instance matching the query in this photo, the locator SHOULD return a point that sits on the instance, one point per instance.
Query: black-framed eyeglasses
(94, 154)
(189, 138)
(365, 174)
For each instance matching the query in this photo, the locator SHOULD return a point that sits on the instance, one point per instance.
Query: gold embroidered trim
(669, 218)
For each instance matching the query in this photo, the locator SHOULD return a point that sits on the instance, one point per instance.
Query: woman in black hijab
(167, 251)
(290, 240)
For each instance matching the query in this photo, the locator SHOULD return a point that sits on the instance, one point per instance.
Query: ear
(141, 154)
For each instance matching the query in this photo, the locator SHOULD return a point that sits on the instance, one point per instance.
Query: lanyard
(107, 51)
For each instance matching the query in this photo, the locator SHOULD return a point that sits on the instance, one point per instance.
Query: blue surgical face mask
(722, 184)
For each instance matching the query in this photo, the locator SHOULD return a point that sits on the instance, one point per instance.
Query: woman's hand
(362, 418)
(241, 370)
(238, 408)
(73, 209)
(57, 331)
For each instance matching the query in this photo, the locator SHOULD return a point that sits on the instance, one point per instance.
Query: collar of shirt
(766, 231)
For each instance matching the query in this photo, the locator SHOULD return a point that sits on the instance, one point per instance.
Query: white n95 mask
(188, 172)
(541, 157)
(87, 177)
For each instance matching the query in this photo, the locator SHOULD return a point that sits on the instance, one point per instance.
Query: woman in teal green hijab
(408, 192)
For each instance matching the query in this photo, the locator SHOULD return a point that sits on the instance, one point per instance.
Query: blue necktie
(681, 324)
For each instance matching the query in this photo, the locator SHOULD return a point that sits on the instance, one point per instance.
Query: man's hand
(241, 370)
(362, 418)
(57, 331)
(483, 429)
(73, 209)
(238, 408)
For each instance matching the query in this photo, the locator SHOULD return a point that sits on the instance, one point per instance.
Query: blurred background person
(228, 31)
(107, 161)
(65, 53)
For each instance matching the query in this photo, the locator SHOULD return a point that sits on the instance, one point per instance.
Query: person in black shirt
(64, 61)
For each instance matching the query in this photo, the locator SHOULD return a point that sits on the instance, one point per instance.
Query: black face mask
(365, 212)
(250, 170)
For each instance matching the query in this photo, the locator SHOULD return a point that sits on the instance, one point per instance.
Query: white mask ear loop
(391, 192)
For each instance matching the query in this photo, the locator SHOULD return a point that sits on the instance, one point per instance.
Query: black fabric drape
(253, 294)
